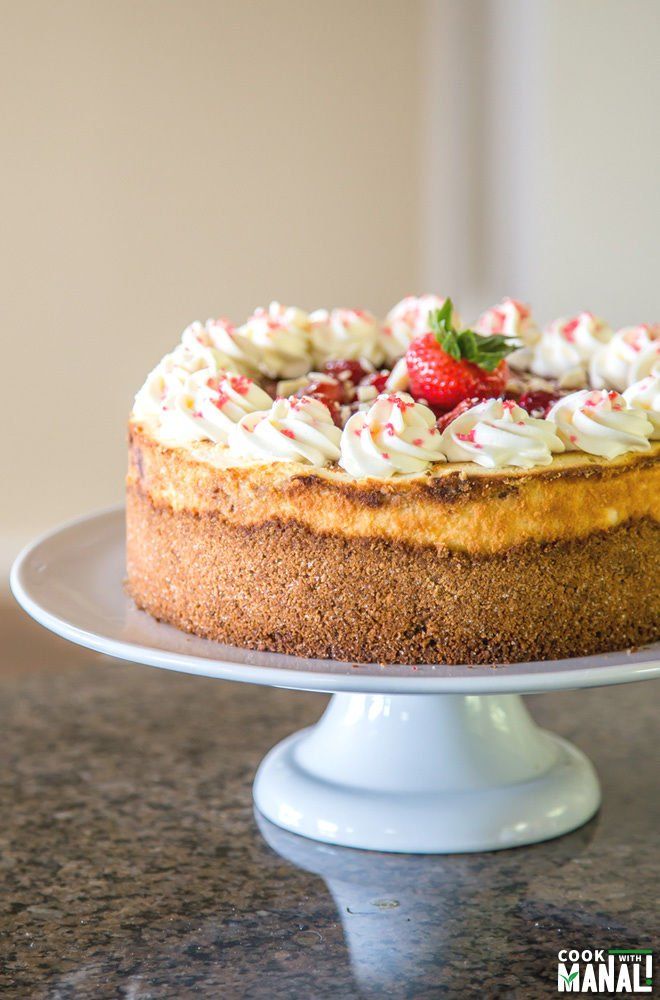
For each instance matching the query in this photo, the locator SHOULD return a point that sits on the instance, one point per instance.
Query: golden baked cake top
(415, 397)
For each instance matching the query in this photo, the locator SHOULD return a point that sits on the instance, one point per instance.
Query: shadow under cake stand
(414, 759)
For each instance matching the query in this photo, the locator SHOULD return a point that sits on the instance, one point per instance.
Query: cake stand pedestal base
(426, 774)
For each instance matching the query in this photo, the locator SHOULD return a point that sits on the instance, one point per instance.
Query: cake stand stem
(426, 774)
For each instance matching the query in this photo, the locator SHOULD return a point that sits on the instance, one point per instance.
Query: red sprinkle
(499, 319)
(523, 310)
(240, 383)
(221, 400)
(402, 404)
(225, 323)
(288, 433)
(570, 328)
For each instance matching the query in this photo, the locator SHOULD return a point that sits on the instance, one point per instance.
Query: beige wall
(164, 161)
(551, 192)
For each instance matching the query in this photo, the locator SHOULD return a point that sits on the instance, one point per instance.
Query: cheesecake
(329, 485)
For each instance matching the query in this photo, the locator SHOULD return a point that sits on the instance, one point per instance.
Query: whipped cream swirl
(600, 423)
(647, 363)
(166, 381)
(498, 432)
(613, 363)
(511, 319)
(395, 436)
(282, 336)
(218, 345)
(347, 334)
(408, 319)
(645, 395)
(569, 344)
(159, 387)
(202, 406)
(185, 360)
(293, 430)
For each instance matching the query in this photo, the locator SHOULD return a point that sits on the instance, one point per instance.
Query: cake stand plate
(409, 758)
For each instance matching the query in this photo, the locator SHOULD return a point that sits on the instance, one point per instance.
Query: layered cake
(408, 490)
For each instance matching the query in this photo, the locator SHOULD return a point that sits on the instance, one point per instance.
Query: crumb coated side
(281, 587)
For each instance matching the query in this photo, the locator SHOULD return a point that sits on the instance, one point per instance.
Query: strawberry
(444, 419)
(330, 391)
(539, 403)
(345, 371)
(447, 366)
(377, 379)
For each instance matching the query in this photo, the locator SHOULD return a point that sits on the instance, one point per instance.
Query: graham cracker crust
(280, 586)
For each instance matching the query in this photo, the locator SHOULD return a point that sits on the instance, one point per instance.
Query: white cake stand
(413, 759)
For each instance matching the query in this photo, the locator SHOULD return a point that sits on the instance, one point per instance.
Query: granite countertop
(133, 864)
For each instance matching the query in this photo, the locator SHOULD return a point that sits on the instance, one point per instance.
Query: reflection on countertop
(133, 864)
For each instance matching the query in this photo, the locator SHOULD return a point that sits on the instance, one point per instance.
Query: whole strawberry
(447, 365)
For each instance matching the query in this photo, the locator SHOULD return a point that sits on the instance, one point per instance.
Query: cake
(406, 491)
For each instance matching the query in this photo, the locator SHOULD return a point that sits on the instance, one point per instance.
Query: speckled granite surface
(133, 866)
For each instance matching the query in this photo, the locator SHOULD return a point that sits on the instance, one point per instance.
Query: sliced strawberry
(539, 403)
(329, 391)
(444, 419)
(377, 379)
(345, 371)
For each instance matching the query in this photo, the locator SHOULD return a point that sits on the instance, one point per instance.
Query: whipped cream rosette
(165, 382)
(645, 396)
(292, 430)
(613, 364)
(498, 432)
(160, 388)
(281, 335)
(346, 334)
(206, 405)
(569, 344)
(647, 363)
(215, 346)
(600, 422)
(409, 319)
(219, 341)
(511, 319)
(395, 436)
